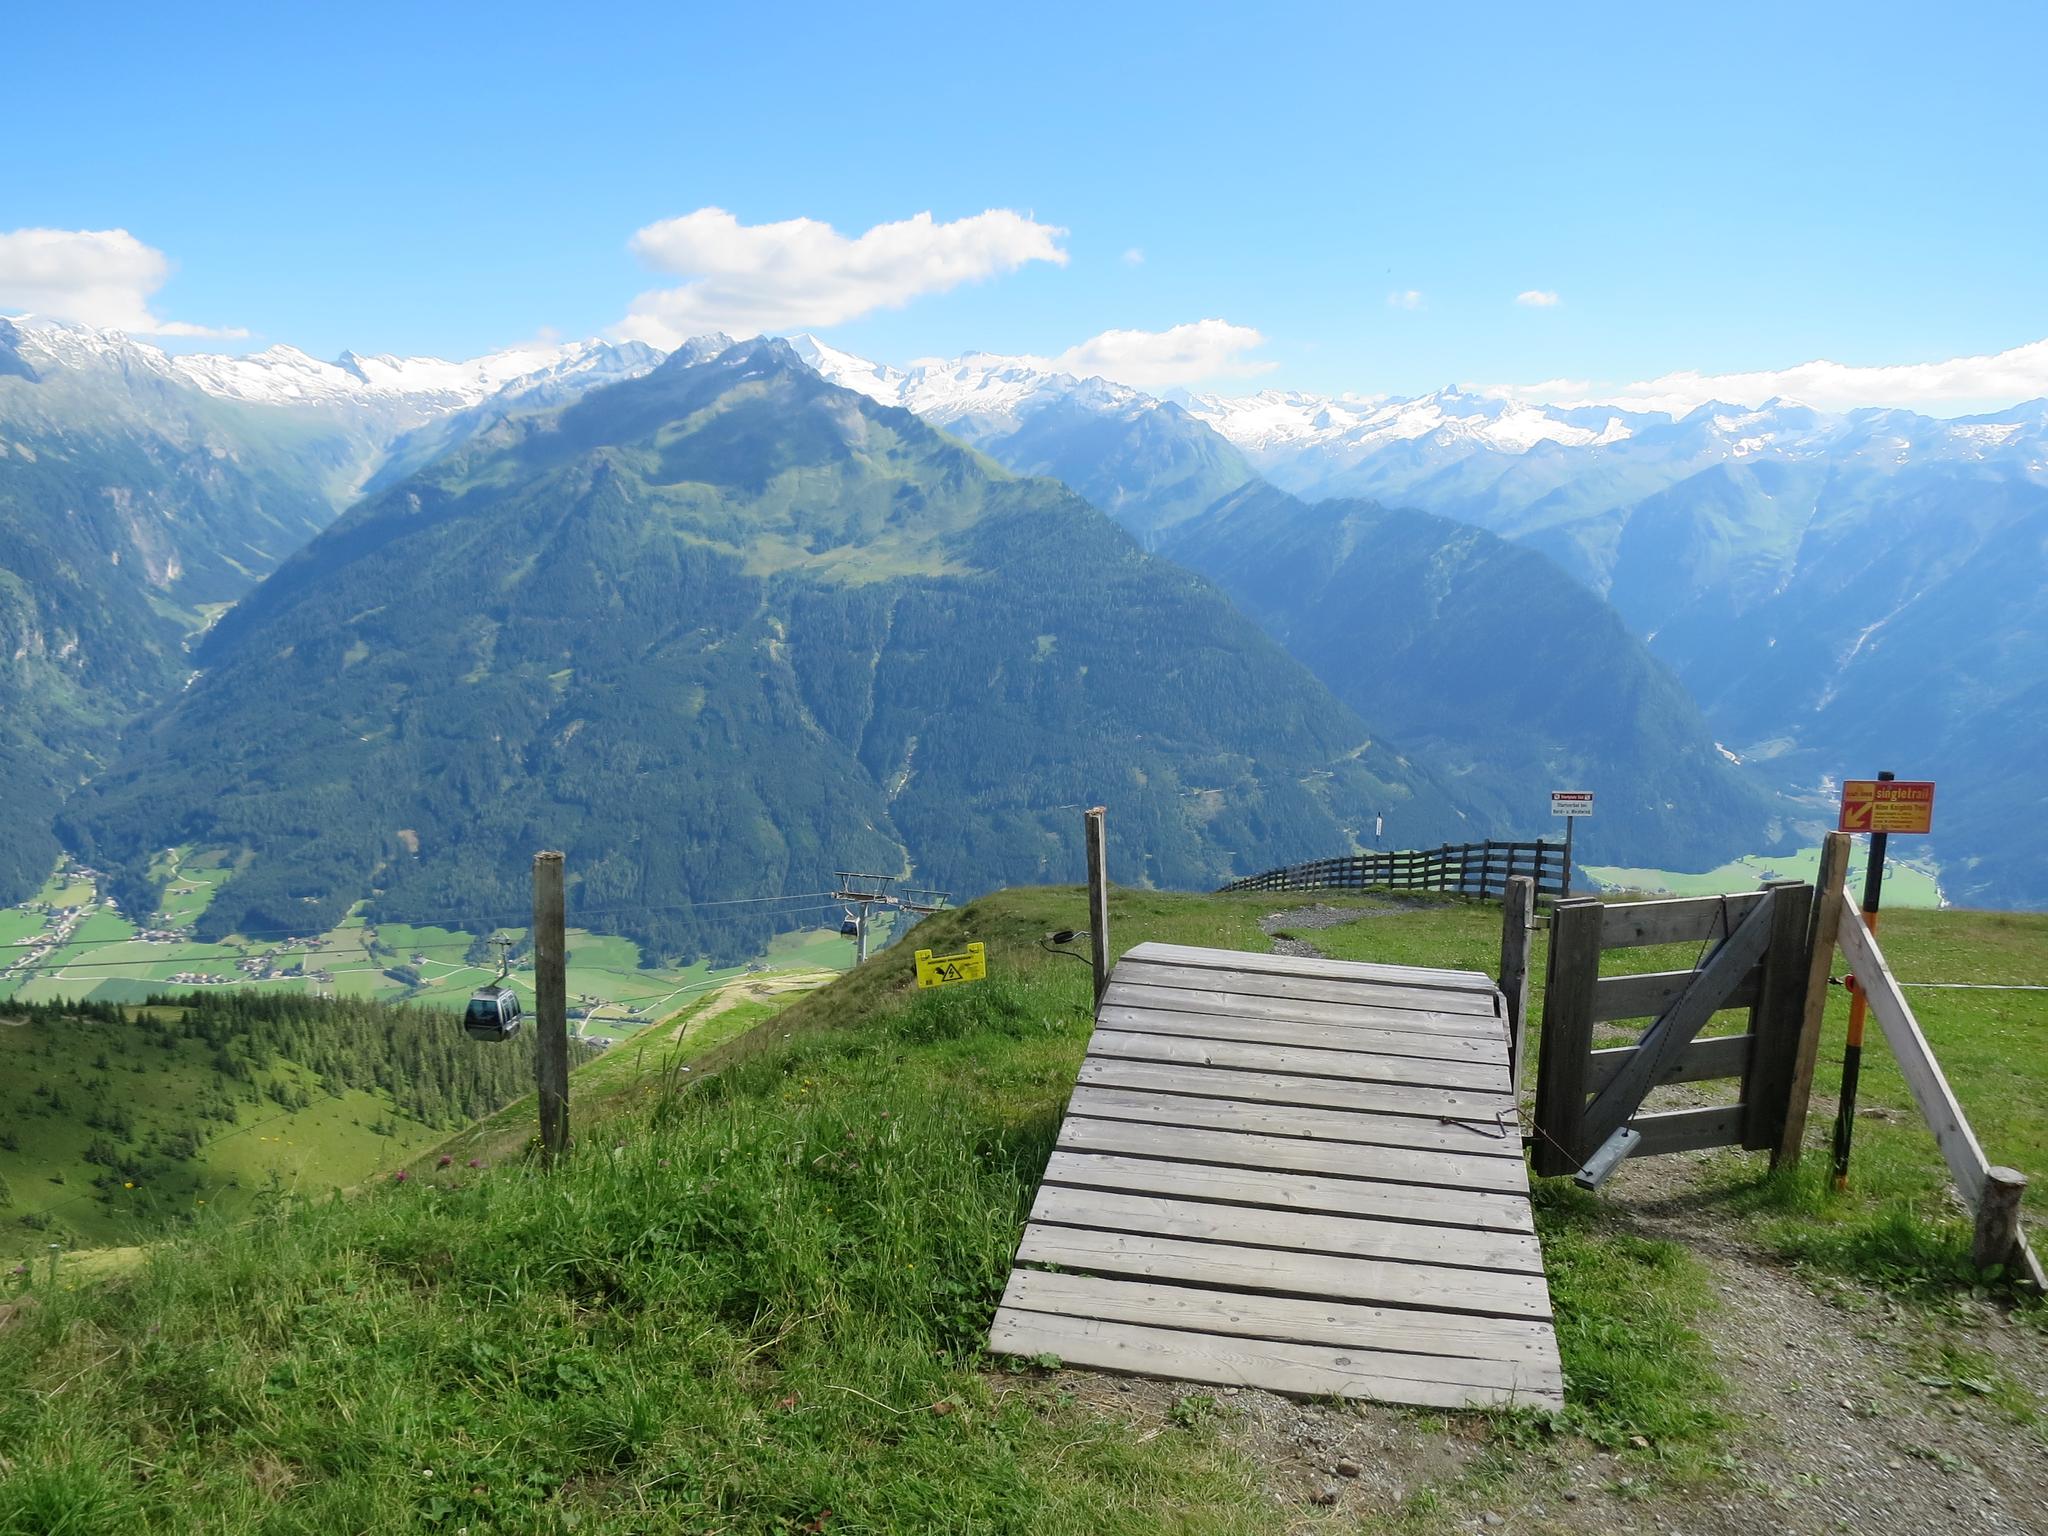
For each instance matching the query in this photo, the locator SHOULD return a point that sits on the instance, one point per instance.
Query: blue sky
(1718, 189)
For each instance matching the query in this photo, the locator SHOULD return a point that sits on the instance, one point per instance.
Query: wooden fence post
(1997, 1237)
(1775, 1017)
(550, 1006)
(1517, 918)
(1562, 1053)
(1098, 900)
(1829, 898)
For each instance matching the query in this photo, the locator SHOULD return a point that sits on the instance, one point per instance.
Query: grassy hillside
(126, 1121)
(756, 1303)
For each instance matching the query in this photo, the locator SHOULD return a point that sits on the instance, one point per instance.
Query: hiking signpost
(1879, 807)
(1570, 804)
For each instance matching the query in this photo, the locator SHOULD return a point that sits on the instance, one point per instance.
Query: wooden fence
(1466, 869)
(1759, 965)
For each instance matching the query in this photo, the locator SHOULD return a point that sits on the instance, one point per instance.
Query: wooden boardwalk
(1297, 1174)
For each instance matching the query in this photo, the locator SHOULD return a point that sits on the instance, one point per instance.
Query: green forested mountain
(716, 632)
(1493, 665)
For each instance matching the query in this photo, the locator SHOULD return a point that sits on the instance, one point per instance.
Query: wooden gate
(1755, 957)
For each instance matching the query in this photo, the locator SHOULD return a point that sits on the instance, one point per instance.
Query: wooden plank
(1775, 1020)
(1689, 1130)
(1288, 1232)
(1517, 921)
(1302, 1370)
(1425, 976)
(1227, 1026)
(1701, 1061)
(1491, 1342)
(1433, 1287)
(1686, 920)
(1360, 994)
(1281, 1088)
(1567, 1037)
(1301, 1061)
(1338, 1127)
(1820, 962)
(1346, 1194)
(1670, 1035)
(1140, 987)
(1251, 1150)
(1923, 1074)
(1647, 995)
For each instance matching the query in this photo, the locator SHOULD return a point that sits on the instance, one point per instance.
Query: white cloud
(1538, 298)
(1405, 298)
(101, 277)
(1135, 257)
(1183, 354)
(1955, 387)
(801, 273)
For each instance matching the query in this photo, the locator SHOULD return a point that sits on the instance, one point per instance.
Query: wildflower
(127, 1183)
(476, 1162)
(400, 1177)
(445, 1161)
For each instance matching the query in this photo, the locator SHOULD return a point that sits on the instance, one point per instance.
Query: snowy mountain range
(285, 376)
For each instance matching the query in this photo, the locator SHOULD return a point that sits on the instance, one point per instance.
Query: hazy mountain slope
(1489, 663)
(140, 491)
(716, 632)
(129, 500)
(1841, 592)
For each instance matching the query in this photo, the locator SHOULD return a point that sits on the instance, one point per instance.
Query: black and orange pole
(1852, 1055)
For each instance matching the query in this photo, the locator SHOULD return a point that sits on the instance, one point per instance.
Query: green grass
(742, 1302)
(735, 1307)
(1909, 881)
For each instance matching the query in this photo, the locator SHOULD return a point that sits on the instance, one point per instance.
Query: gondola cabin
(849, 927)
(493, 1013)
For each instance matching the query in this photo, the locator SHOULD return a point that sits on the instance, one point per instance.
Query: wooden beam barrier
(1937, 1102)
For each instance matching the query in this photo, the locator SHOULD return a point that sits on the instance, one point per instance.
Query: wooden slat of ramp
(1302, 1175)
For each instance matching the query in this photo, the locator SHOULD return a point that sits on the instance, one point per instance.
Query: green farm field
(1908, 882)
(100, 955)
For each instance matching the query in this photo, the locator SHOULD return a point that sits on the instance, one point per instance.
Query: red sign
(1887, 805)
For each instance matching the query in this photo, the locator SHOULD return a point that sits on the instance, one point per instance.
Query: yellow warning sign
(949, 970)
(1887, 805)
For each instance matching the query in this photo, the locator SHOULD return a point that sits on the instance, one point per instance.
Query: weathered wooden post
(1829, 899)
(1562, 1060)
(1997, 1237)
(1098, 900)
(550, 1006)
(1517, 918)
(1775, 1018)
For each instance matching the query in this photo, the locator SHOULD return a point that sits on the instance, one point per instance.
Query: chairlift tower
(861, 892)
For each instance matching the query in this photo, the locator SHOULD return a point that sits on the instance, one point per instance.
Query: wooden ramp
(1297, 1174)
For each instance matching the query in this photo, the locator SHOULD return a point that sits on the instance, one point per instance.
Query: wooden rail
(1992, 1193)
(1465, 869)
